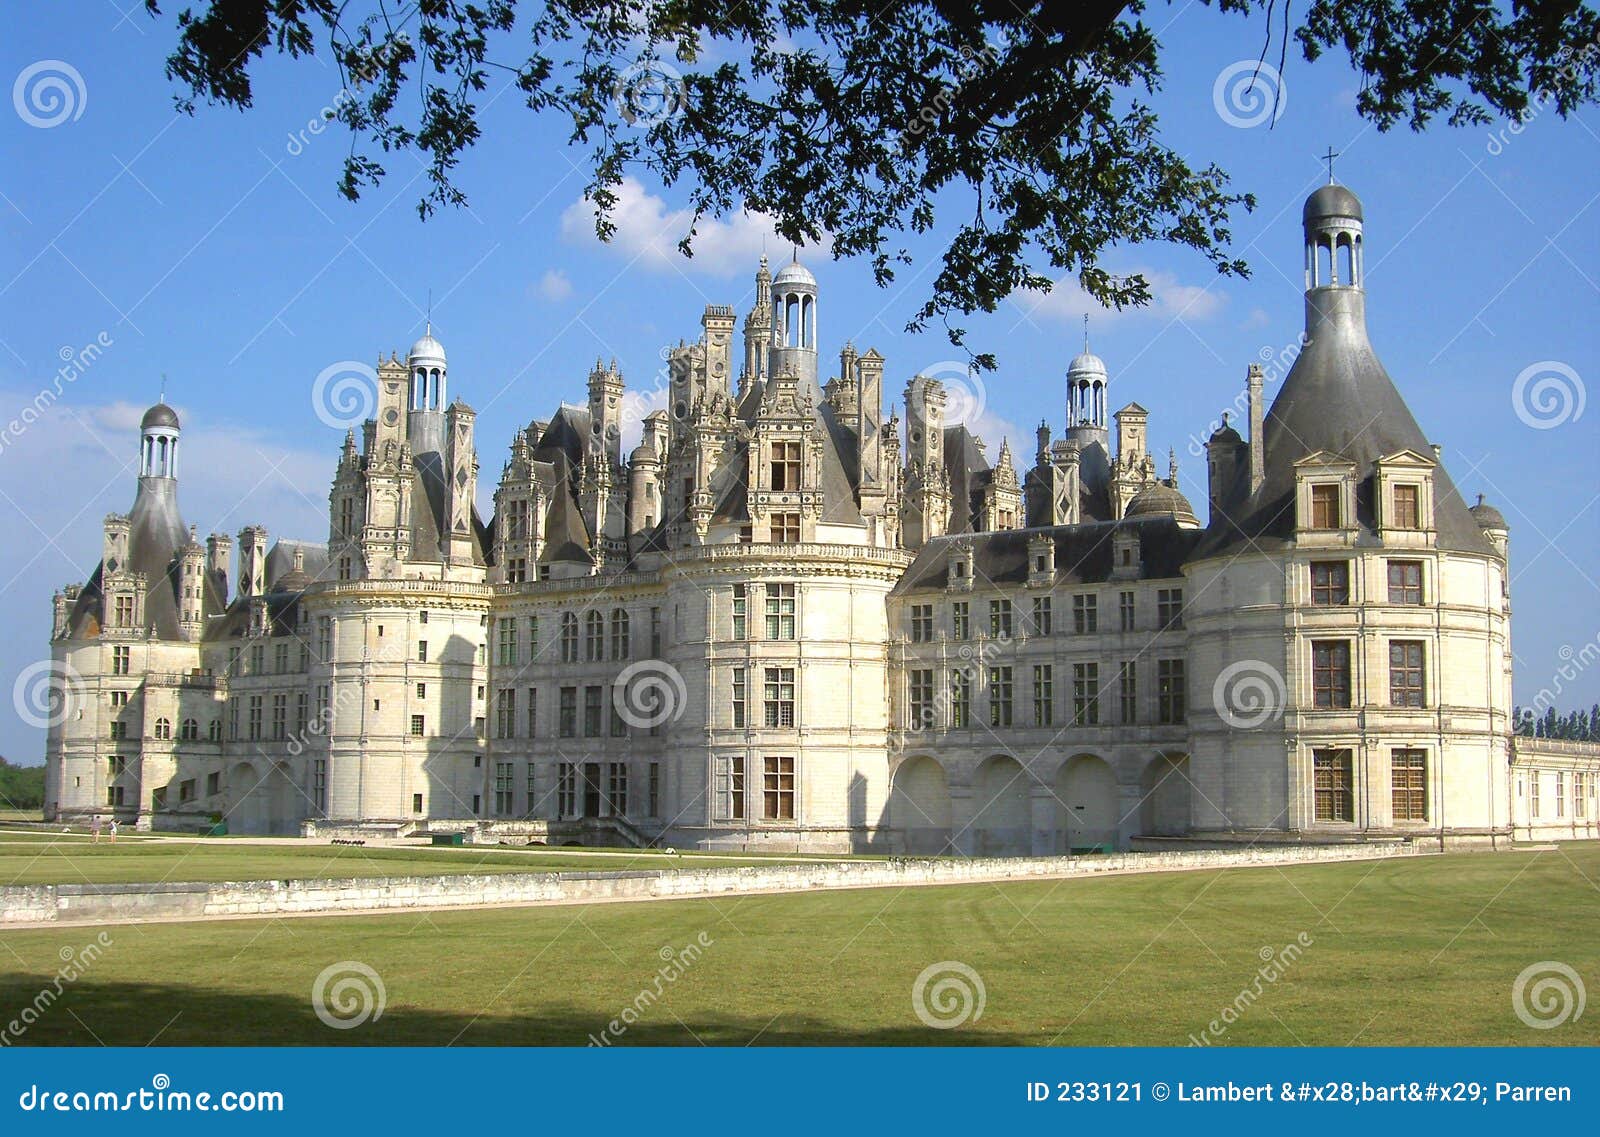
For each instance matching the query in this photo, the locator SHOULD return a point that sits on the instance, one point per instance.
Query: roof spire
(163, 397)
(1086, 333)
(429, 330)
(1328, 158)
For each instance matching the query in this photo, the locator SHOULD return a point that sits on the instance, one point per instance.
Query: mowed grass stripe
(1402, 952)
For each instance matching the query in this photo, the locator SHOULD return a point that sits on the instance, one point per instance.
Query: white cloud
(648, 232)
(554, 285)
(1170, 299)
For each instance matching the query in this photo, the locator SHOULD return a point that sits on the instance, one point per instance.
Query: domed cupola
(794, 324)
(428, 373)
(1158, 499)
(1087, 381)
(159, 431)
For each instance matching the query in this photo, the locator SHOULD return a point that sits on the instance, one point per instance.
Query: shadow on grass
(138, 1014)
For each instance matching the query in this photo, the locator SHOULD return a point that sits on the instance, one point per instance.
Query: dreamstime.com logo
(1548, 994)
(649, 694)
(345, 394)
(948, 994)
(1548, 394)
(46, 692)
(648, 92)
(1249, 694)
(1249, 93)
(348, 994)
(49, 93)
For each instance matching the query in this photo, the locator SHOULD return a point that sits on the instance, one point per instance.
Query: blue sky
(214, 250)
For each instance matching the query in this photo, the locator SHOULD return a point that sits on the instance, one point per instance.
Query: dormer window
(785, 466)
(1407, 507)
(1325, 506)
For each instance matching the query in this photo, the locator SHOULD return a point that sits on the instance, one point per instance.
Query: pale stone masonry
(787, 620)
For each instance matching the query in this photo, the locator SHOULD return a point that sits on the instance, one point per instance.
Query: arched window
(569, 638)
(1344, 266)
(619, 633)
(163, 728)
(191, 730)
(594, 628)
(1324, 272)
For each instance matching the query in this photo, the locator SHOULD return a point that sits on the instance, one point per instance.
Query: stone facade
(787, 620)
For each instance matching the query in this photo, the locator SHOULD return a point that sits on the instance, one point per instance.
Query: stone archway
(1086, 805)
(1166, 796)
(1002, 810)
(919, 806)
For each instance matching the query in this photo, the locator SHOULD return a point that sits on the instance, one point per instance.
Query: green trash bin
(220, 829)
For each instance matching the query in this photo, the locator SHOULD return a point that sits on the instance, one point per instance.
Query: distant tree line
(1578, 726)
(21, 787)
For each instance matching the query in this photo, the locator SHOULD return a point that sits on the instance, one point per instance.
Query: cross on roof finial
(1086, 333)
(1328, 158)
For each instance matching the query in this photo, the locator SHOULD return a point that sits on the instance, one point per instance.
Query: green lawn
(1413, 951)
(34, 858)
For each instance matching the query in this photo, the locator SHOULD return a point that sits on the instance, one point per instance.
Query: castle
(787, 621)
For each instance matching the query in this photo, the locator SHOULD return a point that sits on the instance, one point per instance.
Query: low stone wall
(116, 903)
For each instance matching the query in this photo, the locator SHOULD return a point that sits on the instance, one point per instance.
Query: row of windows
(777, 789)
(583, 789)
(1094, 698)
(1330, 674)
(1333, 784)
(1327, 513)
(1330, 583)
(1002, 618)
(593, 639)
(1583, 794)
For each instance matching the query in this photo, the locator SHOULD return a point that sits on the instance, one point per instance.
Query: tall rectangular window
(1405, 582)
(1000, 619)
(593, 700)
(319, 785)
(419, 726)
(1000, 696)
(121, 660)
(919, 699)
(785, 466)
(740, 611)
(1169, 607)
(1325, 506)
(621, 634)
(1330, 583)
(532, 725)
(728, 787)
(960, 698)
(655, 633)
(124, 612)
(422, 651)
(567, 789)
(653, 791)
(1042, 619)
(1330, 674)
(921, 623)
(255, 718)
(1085, 694)
(1172, 696)
(740, 695)
(505, 793)
(1406, 673)
(779, 697)
(619, 725)
(325, 638)
(568, 719)
(1126, 609)
(569, 637)
(777, 789)
(532, 790)
(1408, 784)
(961, 620)
(1044, 695)
(505, 713)
(1127, 692)
(617, 788)
(1334, 785)
(1407, 507)
(280, 716)
(1561, 793)
(508, 642)
(594, 636)
(1085, 614)
(780, 611)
